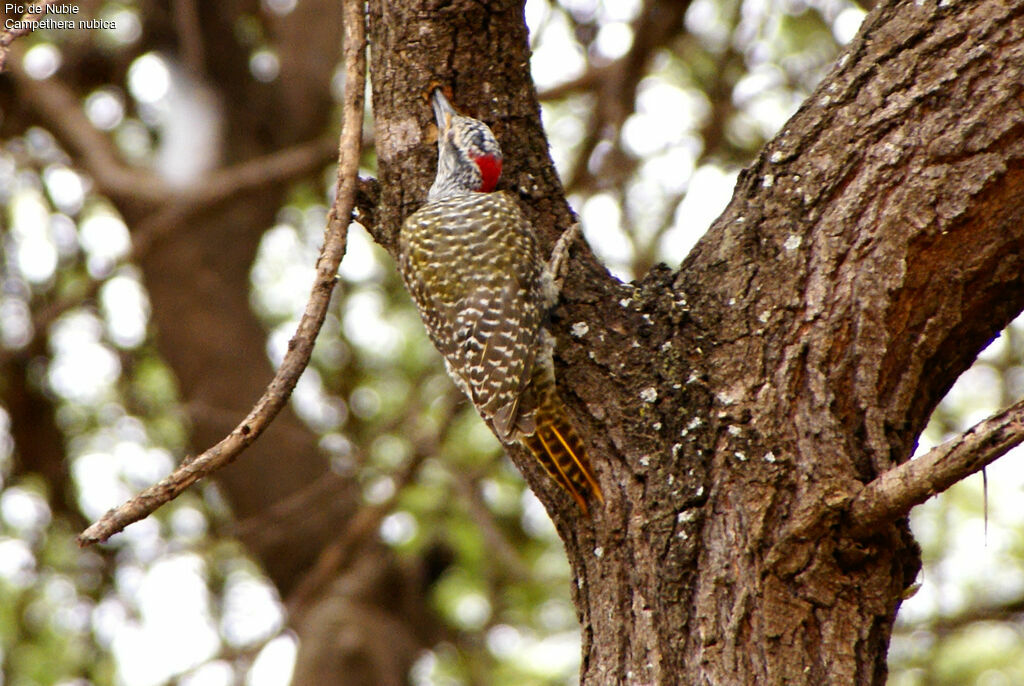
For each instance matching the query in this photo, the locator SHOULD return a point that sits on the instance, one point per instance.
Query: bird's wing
(496, 339)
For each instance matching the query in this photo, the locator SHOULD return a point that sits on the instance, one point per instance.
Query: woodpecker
(470, 259)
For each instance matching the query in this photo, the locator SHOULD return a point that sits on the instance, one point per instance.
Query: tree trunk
(867, 256)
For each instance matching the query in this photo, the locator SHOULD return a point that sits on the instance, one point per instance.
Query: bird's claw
(554, 271)
(558, 263)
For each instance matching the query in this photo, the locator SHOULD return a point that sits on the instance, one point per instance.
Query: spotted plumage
(477, 283)
(471, 262)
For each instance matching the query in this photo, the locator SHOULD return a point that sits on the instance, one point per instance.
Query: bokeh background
(651, 108)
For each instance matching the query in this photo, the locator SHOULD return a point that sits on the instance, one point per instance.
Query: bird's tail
(558, 448)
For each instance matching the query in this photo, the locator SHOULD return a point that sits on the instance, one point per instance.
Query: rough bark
(734, 407)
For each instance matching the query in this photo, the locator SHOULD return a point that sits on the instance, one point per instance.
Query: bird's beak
(443, 110)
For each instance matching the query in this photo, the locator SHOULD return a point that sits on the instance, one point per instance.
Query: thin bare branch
(301, 345)
(585, 82)
(23, 27)
(893, 493)
(261, 172)
(947, 624)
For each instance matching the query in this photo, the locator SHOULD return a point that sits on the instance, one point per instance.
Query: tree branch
(947, 624)
(10, 35)
(260, 172)
(301, 345)
(893, 493)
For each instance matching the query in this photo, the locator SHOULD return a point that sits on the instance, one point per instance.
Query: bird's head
(468, 154)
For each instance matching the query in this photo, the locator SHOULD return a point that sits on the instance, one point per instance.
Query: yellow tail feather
(579, 459)
(560, 451)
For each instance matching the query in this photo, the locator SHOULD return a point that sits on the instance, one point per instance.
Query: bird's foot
(558, 264)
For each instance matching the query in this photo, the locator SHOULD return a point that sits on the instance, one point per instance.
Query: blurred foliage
(966, 623)
(647, 181)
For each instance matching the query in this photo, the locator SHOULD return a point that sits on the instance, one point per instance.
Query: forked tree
(751, 412)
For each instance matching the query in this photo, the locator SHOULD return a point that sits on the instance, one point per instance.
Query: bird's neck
(447, 188)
